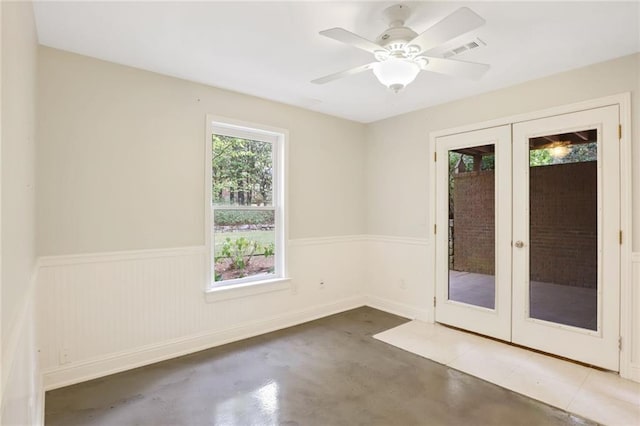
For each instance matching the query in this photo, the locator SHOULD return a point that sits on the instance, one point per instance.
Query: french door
(530, 248)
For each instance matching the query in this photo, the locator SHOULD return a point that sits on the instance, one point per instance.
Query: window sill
(253, 288)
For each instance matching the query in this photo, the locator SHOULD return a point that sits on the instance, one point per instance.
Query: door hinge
(619, 343)
(619, 131)
(434, 301)
(620, 237)
(435, 228)
(435, 156)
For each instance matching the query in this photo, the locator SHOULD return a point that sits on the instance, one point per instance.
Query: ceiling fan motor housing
(395, 38)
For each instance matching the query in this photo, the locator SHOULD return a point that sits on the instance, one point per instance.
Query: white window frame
(258, 283)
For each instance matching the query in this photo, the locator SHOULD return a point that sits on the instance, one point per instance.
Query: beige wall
(20, 374)
(397, 148)
(120, 154)
(120, 159)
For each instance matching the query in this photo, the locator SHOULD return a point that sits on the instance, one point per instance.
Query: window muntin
(246, 211)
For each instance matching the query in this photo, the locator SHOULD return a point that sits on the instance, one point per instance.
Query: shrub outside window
(246, 205)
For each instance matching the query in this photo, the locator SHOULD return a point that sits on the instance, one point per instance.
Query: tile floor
(597, 395)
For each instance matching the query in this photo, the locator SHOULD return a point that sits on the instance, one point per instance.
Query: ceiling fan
(401, 53)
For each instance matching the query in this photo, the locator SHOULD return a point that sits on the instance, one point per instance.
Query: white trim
(254, 130)
(617, 99)
(208, 211)
(279, 138)
(340, 239)
(16, 332)
(247, 208)
(631, 369)
(126, 360)
(2, 360)
(396, 308)
(39, 406)
(77, 259)
(115, 256)
(35, 403)
(228, 292)
(627, 257)
(243, 133)
(125, 255)
(633, 372)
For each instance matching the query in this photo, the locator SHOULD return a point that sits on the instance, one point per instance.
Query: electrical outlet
(321, 285)
(403, 284)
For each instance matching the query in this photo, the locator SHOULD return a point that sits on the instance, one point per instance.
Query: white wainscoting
(398, 276)
(634, 368)
(22, 393)
(100, 314)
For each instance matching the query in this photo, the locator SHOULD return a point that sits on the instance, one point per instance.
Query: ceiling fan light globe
(396, 73)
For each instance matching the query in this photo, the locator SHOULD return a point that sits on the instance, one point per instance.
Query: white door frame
(623, 100)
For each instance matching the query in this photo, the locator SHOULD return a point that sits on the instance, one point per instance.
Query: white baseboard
(114, 363)
(397, 308)
(118, 362)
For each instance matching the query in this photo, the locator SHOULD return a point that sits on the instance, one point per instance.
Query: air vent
(461, 49)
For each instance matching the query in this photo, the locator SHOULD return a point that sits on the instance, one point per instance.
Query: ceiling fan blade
(471, 70)
(341, 74)
(459, 22)
(344, 36)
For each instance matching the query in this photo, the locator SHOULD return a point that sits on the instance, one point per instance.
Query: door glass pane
(472, 226)
(563, 228)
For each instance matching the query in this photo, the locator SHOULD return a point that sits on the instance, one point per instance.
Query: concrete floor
(326, 372)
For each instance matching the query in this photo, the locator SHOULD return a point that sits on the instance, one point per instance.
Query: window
(246, 194)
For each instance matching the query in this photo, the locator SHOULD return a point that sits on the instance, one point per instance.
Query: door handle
(519, 244)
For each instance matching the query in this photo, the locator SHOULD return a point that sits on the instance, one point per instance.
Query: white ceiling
(273, 49)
